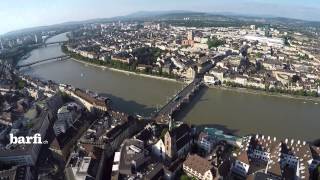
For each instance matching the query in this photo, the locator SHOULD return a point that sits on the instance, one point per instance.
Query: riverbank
(240, 113)
(264, 93)
(127, 72)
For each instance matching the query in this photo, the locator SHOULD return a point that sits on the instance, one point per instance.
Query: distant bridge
(59, 58)
(56, 42)
(50, 43)
(183, 97)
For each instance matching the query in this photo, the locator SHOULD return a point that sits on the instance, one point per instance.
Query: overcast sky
(18, 14)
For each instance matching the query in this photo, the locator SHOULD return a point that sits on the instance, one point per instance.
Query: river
(240, 113)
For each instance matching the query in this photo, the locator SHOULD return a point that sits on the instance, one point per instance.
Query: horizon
(165, 89)
(39, 14)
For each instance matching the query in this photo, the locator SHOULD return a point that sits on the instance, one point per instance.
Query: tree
(65, 97)
(185, 177)
(21, 84)
(295, 78)
(259, 55)
(147, 55)
(214, 42)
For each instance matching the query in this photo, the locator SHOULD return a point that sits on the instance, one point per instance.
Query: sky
(19, 14)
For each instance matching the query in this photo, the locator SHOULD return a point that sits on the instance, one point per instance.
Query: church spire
(170, 123)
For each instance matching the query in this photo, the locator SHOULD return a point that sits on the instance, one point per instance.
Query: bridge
(59, 58)
(164, 115)
(45, 44)
(56, 42)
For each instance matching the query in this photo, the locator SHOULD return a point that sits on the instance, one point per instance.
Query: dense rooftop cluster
(260, 57)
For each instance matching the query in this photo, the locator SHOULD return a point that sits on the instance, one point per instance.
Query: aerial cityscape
(173, 90)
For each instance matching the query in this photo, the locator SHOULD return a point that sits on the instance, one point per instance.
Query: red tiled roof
(198, 164)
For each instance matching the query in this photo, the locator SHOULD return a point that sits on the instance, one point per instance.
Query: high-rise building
(36, 38)
(1, 45)
(190, 35)
(253, 27)
(11, 44)
(267, 31)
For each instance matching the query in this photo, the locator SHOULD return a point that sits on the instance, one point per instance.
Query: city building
(85, 163)
(199, 168)
(204, 142)
(214, 136)
(27, 154)
(16, 173)
(191, 73)
(279, 159)
(67, 115)
(190, 35)
(159, 149)
(177, 141)
(209, 79)
(89, 99)
(133, 157)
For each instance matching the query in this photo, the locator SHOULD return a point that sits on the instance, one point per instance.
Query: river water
(240, 113)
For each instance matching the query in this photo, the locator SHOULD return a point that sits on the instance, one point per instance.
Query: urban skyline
(35, 13)
(207, 91)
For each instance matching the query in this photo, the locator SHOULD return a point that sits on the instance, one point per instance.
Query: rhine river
(240, 113)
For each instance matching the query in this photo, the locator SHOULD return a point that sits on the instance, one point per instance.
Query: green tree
(21, 84)
(145, 55)
(214, 42)
(65, 97)
(259, 55)
(185, 177)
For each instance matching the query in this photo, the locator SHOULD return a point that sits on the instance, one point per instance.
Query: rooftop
(198, 164)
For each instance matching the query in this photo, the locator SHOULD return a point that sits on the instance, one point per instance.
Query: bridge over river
(59, 58)
(164, 115)
(55, 42)
(45, 44)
